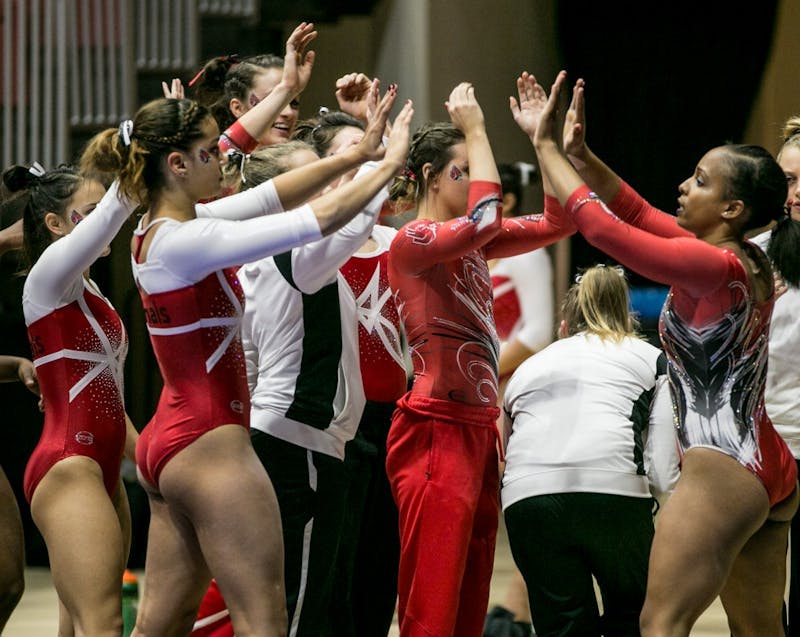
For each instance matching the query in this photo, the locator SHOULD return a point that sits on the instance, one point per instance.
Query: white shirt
(589, 415)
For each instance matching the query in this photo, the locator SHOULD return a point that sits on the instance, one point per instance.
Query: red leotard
(79, 351)
(195, 336)
(713, 330)
(379, 342)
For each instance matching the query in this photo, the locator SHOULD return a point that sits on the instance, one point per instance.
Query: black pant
(559, 541)
(312, 491)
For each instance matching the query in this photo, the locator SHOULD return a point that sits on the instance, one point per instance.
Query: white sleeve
(255, 202)
(532, 274)
(315, 265)
(196, 248)
(65, 260)
(661, 449)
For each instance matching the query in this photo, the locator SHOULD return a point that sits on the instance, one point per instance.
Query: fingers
(303, 34)
(174, 90)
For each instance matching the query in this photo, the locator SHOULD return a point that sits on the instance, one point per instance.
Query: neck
(431, 208)
(176, 204)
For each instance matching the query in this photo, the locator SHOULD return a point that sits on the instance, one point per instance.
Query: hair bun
(18, 178)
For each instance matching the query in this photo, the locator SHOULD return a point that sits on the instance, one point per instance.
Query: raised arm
(597, 175)
(296, 186)
(66, 259)
(686, 262)
(620, 197)
(297, 66)
(194, 250)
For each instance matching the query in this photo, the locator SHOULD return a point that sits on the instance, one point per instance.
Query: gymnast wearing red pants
(442, 451)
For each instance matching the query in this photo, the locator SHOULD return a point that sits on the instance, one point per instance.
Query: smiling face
(283, 127)
(789, 160)
(703, 202)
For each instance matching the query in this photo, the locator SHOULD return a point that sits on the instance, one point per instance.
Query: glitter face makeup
(456, 174)
(75, 217)
(204, 155)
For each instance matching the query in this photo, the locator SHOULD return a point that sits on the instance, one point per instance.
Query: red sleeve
(523, 234)
(235, 136)
(635, 210)
(422, 244)
(685, 261)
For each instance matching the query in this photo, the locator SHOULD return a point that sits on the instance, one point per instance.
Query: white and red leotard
(193, 306)
(713, 329)
(79, 346)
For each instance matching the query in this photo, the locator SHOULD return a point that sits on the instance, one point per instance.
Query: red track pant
(442, 465)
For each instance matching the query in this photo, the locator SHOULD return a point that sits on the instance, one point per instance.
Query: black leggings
(559, 541)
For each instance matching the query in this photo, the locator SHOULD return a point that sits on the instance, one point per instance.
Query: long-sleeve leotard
(79, 346)
(444, 294)
(713, 329)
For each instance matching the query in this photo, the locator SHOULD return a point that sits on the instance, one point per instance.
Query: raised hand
(527, 110)
(574, 134)
(298, 63)
(371, 145)
(464, 110)
(174, 90)
(400, 136)
(546, 128)
(357, 95)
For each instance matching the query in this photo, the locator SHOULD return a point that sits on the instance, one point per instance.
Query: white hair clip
(525, 172)
(36, 169)
(234, 154)
(125, 132)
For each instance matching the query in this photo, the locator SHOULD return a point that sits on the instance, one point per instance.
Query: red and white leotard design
(195, 336)
(79, 352)
(444, 293)
(379, 340)
(79, 346)
(713, 330)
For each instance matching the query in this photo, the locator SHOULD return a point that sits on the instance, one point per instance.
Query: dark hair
(759, 181)
(159, 127)
(511, 182)
(431, 144)
(40, 195)
(320, 131)
(227, 77)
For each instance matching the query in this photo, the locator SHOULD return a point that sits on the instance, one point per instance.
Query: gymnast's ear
(56, 224)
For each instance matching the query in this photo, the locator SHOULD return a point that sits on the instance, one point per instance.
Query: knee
(10, 593)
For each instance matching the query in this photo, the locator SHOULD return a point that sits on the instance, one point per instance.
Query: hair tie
(37, 170)
(233, 59)
(125, 131)
(323, 110)
(409, 175)
(234, 154)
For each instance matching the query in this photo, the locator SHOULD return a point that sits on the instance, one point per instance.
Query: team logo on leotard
(369, 308)
(237, 406)
(421, 233)
(84, 438)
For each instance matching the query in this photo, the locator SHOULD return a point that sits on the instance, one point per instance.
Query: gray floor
(37, 614)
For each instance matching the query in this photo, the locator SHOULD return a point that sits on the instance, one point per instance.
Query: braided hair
(431, 144)
(159, 127)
